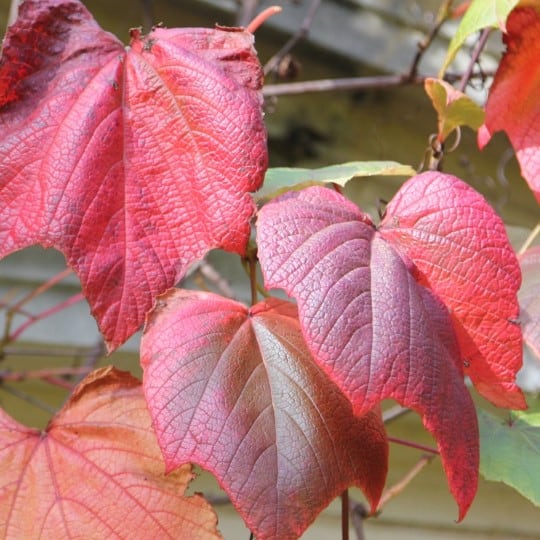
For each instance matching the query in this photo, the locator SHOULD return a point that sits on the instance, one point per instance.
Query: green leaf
(281, 179)
(481, 14)
(510, 451)
(453, 107)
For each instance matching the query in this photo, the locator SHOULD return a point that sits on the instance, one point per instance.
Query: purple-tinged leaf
(375, 331)
(236, 390)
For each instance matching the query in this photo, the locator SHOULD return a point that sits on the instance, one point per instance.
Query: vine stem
(530, 239)
(442, 16)
(348, 83)
(28, 398)
(18, 376)
(300, 34)
(52, 352)
(44, 314)
(345, 515)
(411, 444)
(398, 487)
(474, 58)
(44, 287)
(16, 308)
(253, 280)
(395, 412)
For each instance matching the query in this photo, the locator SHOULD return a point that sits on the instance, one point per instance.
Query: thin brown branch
(28, 398)
(442, 16)
(412, 444)
(44, 287)
(44, 314)
(349, 83)
(345, 515)
(299, 35)
(217, 499)
(17, 376)
(60, 382)
(49, 352)
(358, 513)
(530, 239)
(253, 279)
(213, 276)
(474, 59)
(395, 412)
(16, 308)
(398, 487)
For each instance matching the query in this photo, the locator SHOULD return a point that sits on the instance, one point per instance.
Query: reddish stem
(60, 382)
(44, 314)
(42, 288)
(397, 488)
(345, 515)
(261, 18)
(411, 444)
(50, 373)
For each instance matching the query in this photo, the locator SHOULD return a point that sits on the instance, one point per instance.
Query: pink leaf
(513, 104)
(376, 331)
(133, 162)
(459, 249)
(236, 391)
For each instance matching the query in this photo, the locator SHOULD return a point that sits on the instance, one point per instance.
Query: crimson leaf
(376, 331)
(134, 162)
(513, 104)
(236, 391)
(459, 249)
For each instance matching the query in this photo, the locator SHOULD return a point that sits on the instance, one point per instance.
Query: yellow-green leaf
(480, 14)
(453, 107)
(281, 179)
(510, 451)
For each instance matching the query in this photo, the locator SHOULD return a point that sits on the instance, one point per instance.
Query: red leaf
(133, 162)
(371, 326)
(95, 472)
(513, 104)
(529, 298)
(459, 249)
(243, 398)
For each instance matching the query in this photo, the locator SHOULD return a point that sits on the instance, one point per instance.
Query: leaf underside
(96, 472)
(236, 391)
(134, 162)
